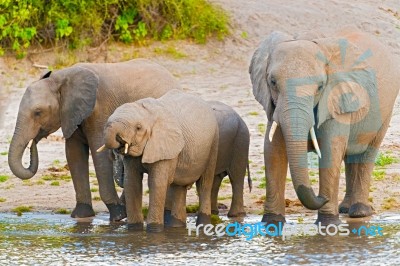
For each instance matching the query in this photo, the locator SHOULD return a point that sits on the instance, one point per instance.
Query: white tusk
(126, 148)
(30, 144)
(102, 148)
(272, 131)
(315, 142)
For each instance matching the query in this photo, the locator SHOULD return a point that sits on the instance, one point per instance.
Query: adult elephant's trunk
(15, 153)
(295, 131)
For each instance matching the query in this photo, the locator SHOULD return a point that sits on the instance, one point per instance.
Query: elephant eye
(320, 87)
(272, 81)
(37, 112)
(138, 126)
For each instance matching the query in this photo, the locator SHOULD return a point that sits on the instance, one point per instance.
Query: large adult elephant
(79, 99)
(333, 95)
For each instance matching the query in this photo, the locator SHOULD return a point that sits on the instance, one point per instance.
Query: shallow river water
(37, 238)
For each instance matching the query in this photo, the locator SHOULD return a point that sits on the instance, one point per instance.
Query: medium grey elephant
(79, 99)
(232, 160)
(174, 139)
(331, 95)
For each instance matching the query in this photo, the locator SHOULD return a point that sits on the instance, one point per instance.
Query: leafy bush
(76, 23)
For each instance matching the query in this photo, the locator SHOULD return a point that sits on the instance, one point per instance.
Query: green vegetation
(53, 177)
(192, 208)
(145, 211)
(224, 197)
(40, 182)
(226, 181)
(170, 51)
(378, 175)
(4, 153)
(263, 183)
(262, 128)
(389, 203)
(313, 181)
(3, 200)
(77, 23)
(254, 113)
(96, 198)
(94, 189)
(55, 183)
(4, 178)
(62, 211)
(20, 209)
(215, 219)
(384, 159)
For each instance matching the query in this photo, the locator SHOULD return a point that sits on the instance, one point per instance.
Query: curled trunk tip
(307, 197)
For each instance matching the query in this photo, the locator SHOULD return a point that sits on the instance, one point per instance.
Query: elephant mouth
(42, 134)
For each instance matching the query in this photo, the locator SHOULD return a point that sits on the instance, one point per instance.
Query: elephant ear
(258, 70)
(166, 139)
(78, 97)
(350, 81)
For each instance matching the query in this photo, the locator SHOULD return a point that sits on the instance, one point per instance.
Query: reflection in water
(58, 239)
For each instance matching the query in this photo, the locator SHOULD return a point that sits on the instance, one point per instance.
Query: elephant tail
(249, 181)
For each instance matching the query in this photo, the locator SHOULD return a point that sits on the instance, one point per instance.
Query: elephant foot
(203, 218)
(272, 218)
(117, 212)
(344, 207)
(135, 227)
(241, 213)
(327, 219)
(82, 210)
(359, 209)
(175, 222)
(167, 216)
(154, 228)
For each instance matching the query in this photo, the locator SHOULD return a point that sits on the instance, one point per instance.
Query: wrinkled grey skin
(79, 99)
(343, 86)
(233, 152)
(167, 141)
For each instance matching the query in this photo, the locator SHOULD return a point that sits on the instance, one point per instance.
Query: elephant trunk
(295, 132)
(16, 151)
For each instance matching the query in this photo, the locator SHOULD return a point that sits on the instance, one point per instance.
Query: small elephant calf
(174, 139)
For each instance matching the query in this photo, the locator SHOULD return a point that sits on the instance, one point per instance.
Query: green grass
(21, 209)
(313, 181)
(145, 211)
(94, 189)
(27, 183)
(62, 211)
(262, 128)
(224, 197)
(52, 177)
(4, 178)
(226, 181)
(378, 175)
(170, 51)
(253, 113)
(389, 203)
(3, 200)
(263, 183)
(192, 208)
(40, 182)
(215, 219)
(384, 159)
(55, 183)
(4, 153)
(96, 198)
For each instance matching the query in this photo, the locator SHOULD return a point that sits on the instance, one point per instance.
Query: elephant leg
(77, 153)
(178, 213)
(205, 185)
(276, 164)
(345, 204)
(168, 206)
(104, 172)
(333, 149)
(236, 177)
(214, 193)
(161, 175)
(360, 169)
(133, 191)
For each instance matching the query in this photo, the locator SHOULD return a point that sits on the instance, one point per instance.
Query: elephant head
(61, 99)
(301, 83)
(144, 128)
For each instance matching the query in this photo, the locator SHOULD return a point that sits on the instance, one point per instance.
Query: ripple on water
(55, 239)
